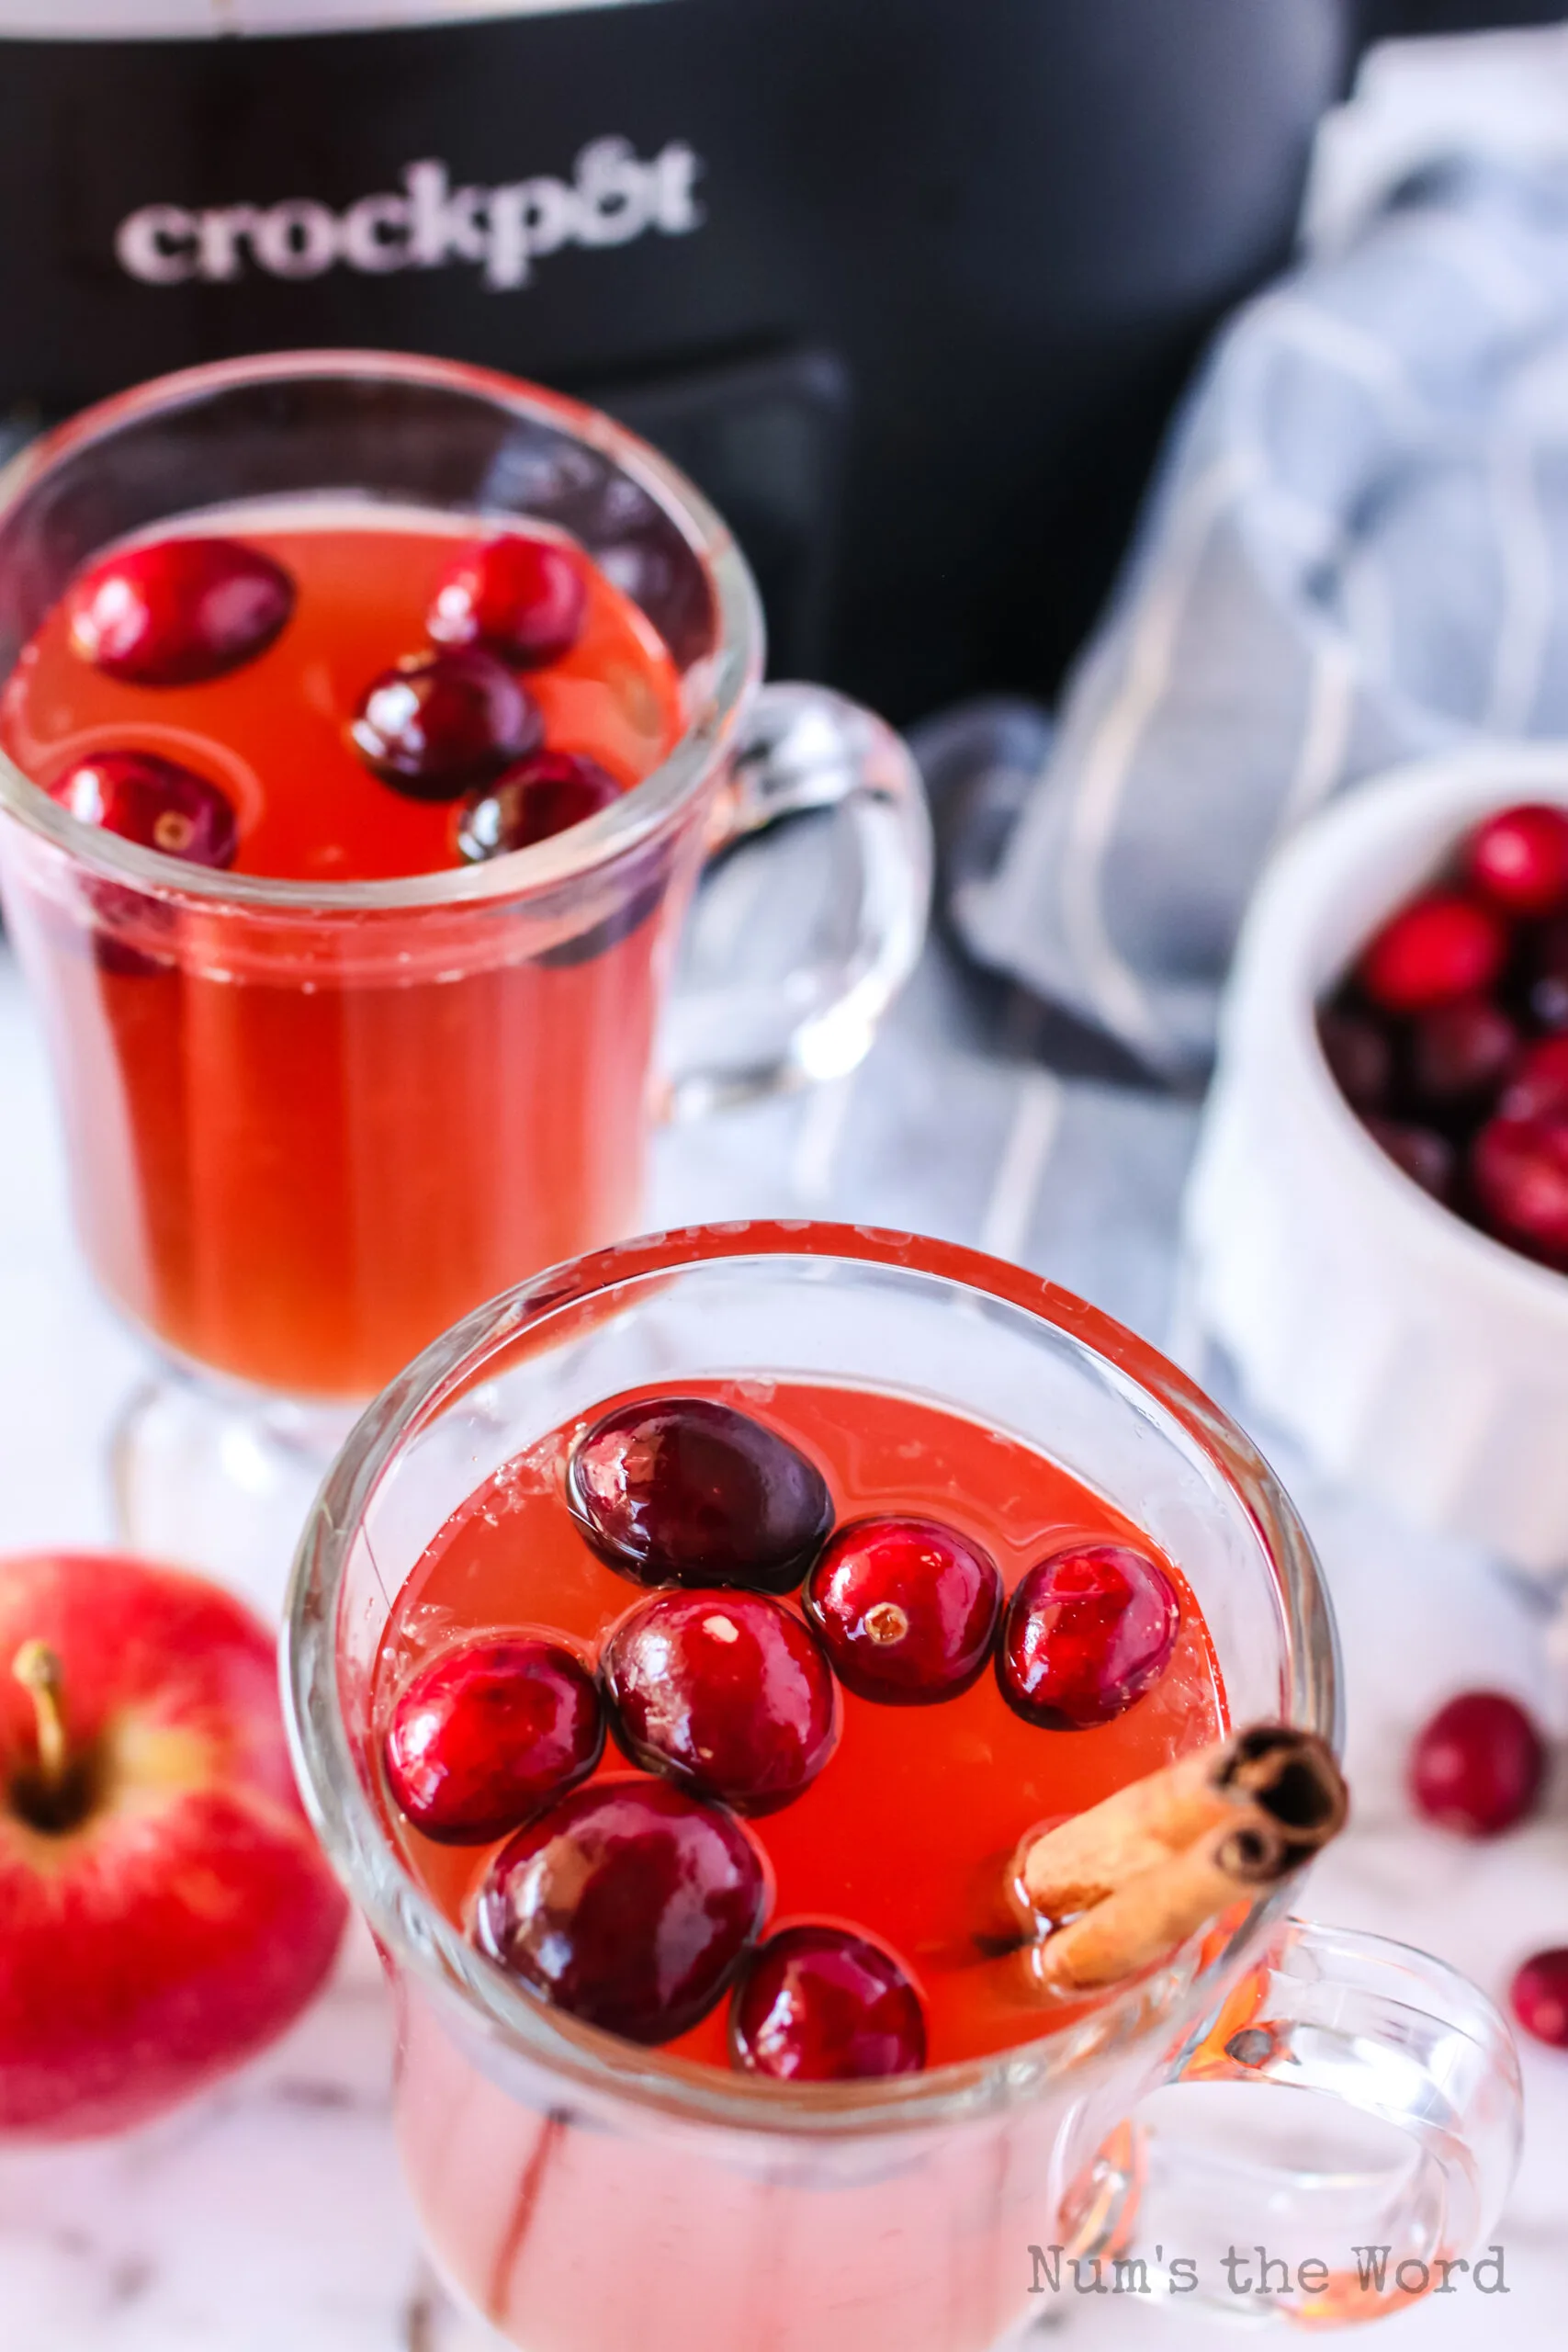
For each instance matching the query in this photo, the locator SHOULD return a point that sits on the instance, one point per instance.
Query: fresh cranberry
(726, 1693)
(1426, 1157)
(1547, 976)
(906, 1607)
(818, 2004)
(1359, 1055)
(543, 796)
(1088, 1631)
(1439, 947)
(489, 1733)
(1460, 1054)
(437, 723)
(1518, 1171)
(1539, 1087)
(178, 612)
(628, 1904)
(1518, 859)
(524, 598)
(1478, 1765)
(685, 1490)
(1538, 1996)
(146, 798)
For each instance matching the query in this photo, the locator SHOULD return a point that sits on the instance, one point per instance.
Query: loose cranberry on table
(820, 2005)
(541, 796)
(1518, 1170)
(1087, 1632)
(437, 724)
(178, 612)
(524, 598)
(1440, 946)
(166, 1911)
(1477, 1767)
(907, 1608)
(687, 1491)
(726, 1693)
(1538, 1996)
(490, 1732)
(628, 1905)
(1518, 859)
(144, 797)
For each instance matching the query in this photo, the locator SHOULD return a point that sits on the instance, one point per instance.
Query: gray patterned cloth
(954, 1124)
(1356, 552)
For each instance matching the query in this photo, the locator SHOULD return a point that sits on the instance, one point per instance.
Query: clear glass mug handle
(732, 1039)
(1392, 2035)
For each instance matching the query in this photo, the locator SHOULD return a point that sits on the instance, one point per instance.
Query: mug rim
(411, 1928)
(643, 811)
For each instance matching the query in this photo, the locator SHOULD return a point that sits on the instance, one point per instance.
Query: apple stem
(37, 1668)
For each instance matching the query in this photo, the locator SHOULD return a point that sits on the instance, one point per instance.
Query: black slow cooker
(907, 285)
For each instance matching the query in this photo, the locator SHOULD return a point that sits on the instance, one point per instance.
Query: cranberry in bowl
(1372, 1234)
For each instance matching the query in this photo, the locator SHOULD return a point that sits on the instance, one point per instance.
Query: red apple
(164, 1911)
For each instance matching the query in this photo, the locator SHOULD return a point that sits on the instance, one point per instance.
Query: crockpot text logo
(611, 197)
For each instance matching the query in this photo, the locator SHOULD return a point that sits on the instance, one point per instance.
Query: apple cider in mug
(323, 693)
(716, 1719)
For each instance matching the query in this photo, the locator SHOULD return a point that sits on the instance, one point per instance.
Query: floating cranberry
(1440, 946)
(541, 796)
(628, 1904)
(685, 1490)
(524, 598)
(144, 797)
(1518, 1171)
(1427, 1158)
(1539, 1087)
(489, 1733)
(1088, 1631)
(906, 1607)
(1547, 981)
(1518, 859)
(1460, 1054)
(818, 2004)
(1477, 1767)
(178, 612)
(726, 1693)
(1538, 1996)
(437, 723)
(1359, 1054)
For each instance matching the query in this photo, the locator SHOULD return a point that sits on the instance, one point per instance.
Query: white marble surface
(272, 2215)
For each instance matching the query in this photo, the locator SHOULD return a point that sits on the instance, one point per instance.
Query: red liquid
(273, 731)
(907, 1833)
(302, 1148)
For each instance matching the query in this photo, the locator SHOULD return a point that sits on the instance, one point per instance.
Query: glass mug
(581, 2194)
(310, 1125)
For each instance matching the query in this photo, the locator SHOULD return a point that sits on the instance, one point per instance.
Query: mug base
(221, 1480)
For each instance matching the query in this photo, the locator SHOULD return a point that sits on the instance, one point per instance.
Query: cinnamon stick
(1118, 1887)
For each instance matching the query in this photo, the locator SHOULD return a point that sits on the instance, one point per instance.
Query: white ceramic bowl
(1410, 1356)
